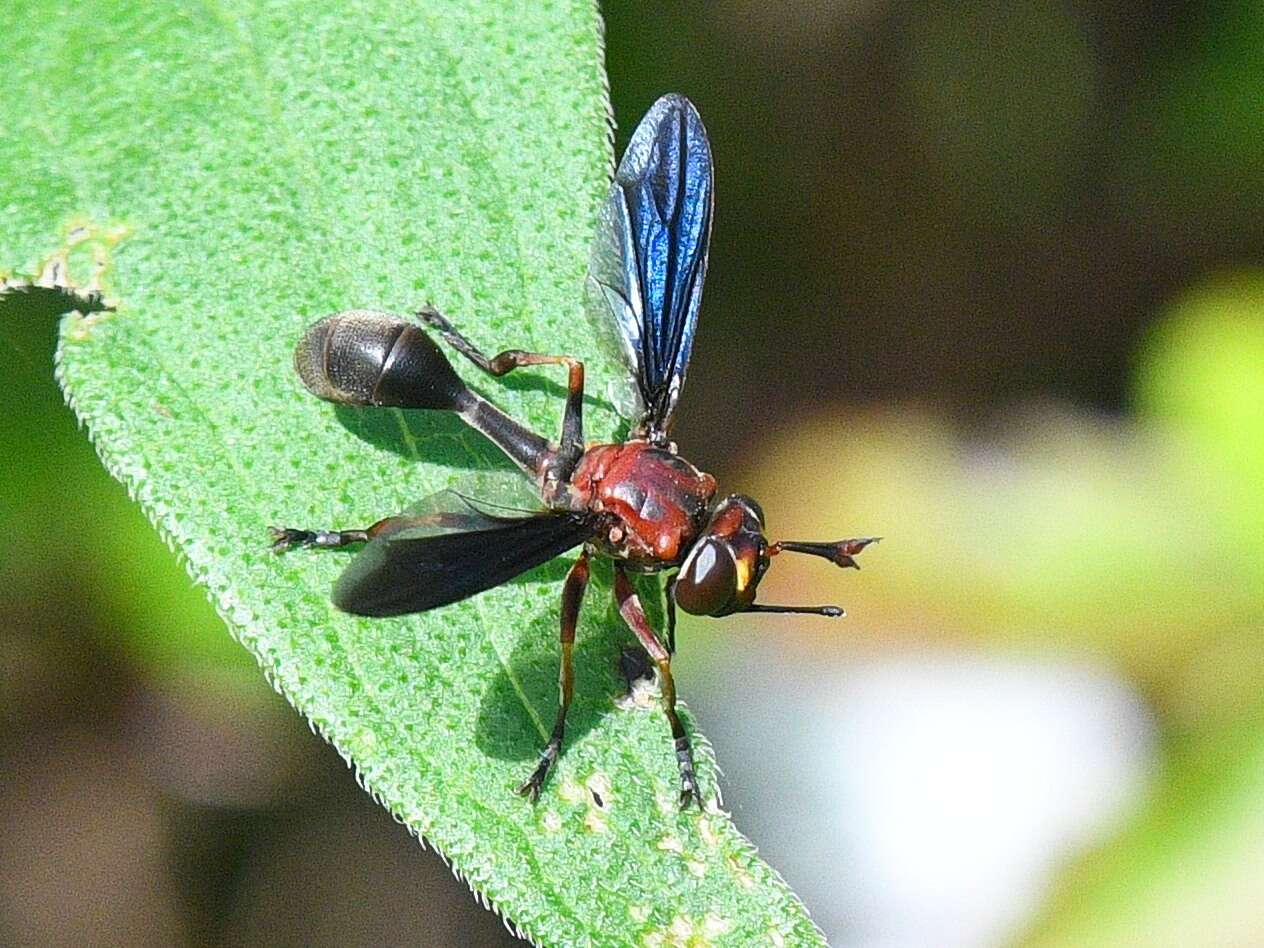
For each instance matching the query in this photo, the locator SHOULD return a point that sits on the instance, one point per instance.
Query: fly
(638, 502)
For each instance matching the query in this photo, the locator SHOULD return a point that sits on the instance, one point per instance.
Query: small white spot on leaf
(671, 844)
(713, 926)
(707, 833)
(740, 874)
(668, 804)
(680, 928)
(595, 821)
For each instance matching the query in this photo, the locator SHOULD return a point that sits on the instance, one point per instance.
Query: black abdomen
(360, 357)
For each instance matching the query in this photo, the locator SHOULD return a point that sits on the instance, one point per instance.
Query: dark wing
(649, 255)
(439, 557)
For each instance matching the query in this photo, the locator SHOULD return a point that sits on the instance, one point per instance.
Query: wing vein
(649, 254)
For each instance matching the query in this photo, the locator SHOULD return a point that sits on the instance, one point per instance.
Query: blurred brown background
(986, 279)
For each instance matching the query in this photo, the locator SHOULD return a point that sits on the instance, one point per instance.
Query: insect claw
(529, 788)
(689, 794)
(287, 538)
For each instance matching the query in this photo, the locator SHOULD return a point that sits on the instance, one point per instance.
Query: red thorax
(656, 501)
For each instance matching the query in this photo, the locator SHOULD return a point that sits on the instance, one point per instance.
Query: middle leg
(634, 615)
(572, 596)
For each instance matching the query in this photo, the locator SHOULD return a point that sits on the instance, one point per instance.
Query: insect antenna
(832, 612)
(840, 552)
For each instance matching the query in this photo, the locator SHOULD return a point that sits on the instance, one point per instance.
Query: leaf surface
(223, 174)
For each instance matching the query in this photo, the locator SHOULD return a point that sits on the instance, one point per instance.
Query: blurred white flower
(924, 800)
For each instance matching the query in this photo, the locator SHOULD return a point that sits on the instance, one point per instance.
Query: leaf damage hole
(739, 873)
(70, 279)
(671, 844)
(707, 832)
(25, 300)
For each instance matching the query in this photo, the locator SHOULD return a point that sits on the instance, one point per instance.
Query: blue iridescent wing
(649, 255)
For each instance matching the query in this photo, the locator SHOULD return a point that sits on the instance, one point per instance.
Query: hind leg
(572, 440)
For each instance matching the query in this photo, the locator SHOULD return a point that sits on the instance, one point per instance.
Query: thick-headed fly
(639, 502)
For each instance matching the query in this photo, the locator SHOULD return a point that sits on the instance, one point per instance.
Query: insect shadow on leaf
(552, 388)
(448, 441)
(506, 728)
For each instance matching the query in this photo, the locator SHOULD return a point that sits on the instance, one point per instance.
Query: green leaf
(225, 173)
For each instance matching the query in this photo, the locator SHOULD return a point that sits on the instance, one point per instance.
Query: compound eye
(707, 583)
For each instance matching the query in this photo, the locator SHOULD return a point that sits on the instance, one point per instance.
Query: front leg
(289, 538)
(671, 614)
(634, 615)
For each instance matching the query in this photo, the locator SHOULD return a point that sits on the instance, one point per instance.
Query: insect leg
(634, 615)
(671, 616)
(287, 538)
(572, 441)
(572, 596)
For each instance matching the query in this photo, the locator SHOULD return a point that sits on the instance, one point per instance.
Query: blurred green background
(987, 279)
